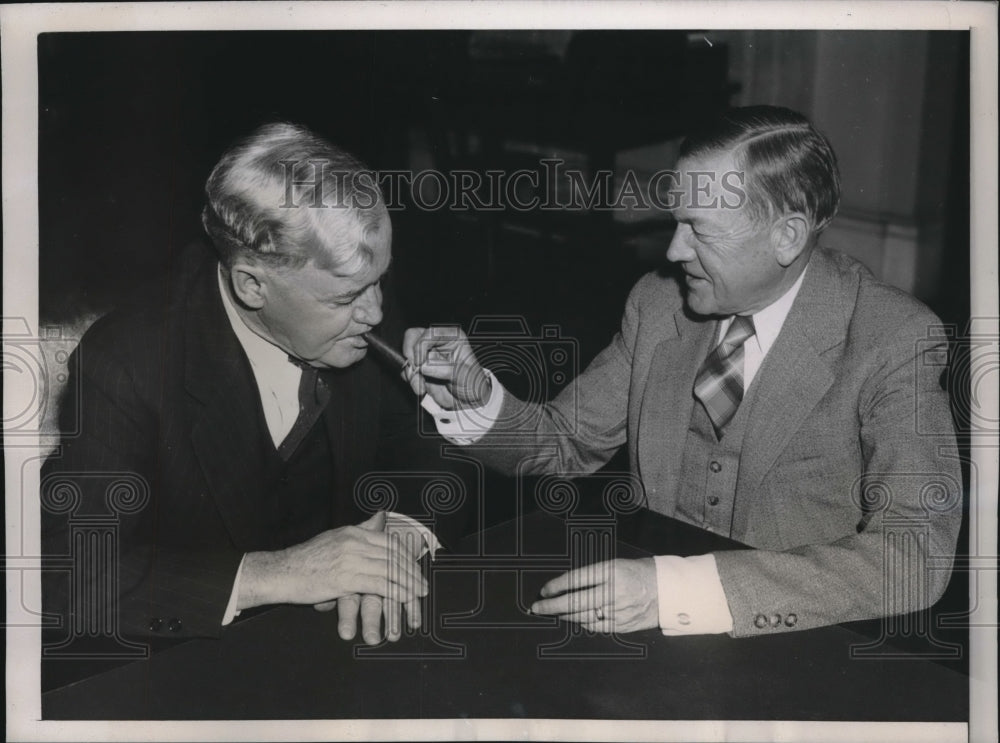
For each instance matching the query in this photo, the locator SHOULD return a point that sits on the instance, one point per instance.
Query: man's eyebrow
(361, 290)
(352, 275)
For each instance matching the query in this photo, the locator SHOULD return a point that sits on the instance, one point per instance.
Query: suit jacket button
(155, 623)
(174, 625)
(683, 618)
(760, 621)
(790, 620)
(775, 620)
(715, 466)
(713, 500)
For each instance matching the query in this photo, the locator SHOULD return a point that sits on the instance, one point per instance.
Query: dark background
(131, 123)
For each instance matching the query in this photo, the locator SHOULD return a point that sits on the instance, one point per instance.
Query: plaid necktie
(313, 397)
(719, 384)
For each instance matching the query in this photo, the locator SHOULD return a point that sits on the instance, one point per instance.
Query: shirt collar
(265, 357)
(767, 323)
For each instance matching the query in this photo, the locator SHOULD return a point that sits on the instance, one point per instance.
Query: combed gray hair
(284, 196)
(789, 166)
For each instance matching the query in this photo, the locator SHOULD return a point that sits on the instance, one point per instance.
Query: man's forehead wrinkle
(364, 277)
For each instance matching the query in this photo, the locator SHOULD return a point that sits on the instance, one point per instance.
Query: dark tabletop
(484, 656)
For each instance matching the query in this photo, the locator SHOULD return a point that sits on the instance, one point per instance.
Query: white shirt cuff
(466, 426)
(231, 611)
(691, 598)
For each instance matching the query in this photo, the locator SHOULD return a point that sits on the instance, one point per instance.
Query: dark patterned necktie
(313, 397)
(719, 384)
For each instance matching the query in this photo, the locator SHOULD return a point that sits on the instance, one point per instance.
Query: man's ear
(249, 282)
(790, 236)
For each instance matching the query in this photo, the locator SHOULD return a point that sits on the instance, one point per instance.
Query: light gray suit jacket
(849, 480)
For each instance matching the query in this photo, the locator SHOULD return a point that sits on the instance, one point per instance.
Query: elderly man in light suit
(762, 395)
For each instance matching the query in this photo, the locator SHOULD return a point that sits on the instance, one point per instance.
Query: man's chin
(699, 304)
(341, 358)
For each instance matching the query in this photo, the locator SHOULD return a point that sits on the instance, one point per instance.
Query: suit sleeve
(582, 427)
(910, 497)
(101, 497)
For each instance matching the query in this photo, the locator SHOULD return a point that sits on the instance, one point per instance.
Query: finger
(404, 567)
(436, 343)
(417, 383)
(405, 540)
(375, 523)
(411, 340)
(380, 583)
(404, 571)
(377, 553)
(421, 346)
(606, 626)
(326, 605)
(439, 370)
(414, 614)
(439, 394)
(347, 622)
(411, 376)
(393, 620)
(574, 580)
(588, 618)
(574, 602)
(371, 618)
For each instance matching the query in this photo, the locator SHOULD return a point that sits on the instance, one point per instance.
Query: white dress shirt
(690, 594)
(278, 384)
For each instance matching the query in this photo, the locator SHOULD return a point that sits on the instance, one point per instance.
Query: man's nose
(368, 310)
(679, 251)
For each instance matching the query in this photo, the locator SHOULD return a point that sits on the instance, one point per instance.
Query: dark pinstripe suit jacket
(167, 394)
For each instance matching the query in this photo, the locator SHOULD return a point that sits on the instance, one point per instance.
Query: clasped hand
(357, 569)
(374, 606)
(611, 596)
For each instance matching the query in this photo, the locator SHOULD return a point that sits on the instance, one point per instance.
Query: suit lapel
(667, 405)
(226, 431)
(794, 377)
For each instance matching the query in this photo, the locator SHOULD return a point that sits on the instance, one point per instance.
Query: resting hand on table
(447, 369)
(612, 596)
(340, 565)
(372, 609)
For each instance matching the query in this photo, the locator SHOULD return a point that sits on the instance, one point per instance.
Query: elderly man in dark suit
(238, 396)
(769, 393)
